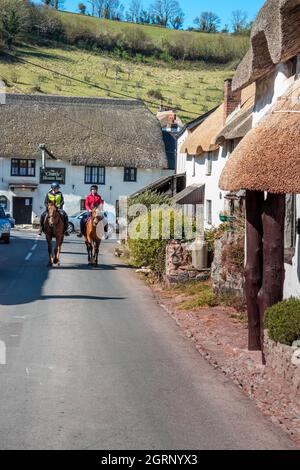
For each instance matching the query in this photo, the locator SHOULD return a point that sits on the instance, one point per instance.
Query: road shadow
(88, 267)
(80, 297)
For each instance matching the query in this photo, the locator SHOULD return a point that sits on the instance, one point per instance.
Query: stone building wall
(285, 363)
(227, 268)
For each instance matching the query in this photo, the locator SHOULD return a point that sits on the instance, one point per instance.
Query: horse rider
(55, 196)
(92, 200)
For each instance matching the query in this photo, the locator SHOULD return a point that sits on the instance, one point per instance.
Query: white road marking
(28, 256)
(27, 371)
(2, 353)
(34, 247)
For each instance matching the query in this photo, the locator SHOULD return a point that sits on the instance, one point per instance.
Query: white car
(74, 222)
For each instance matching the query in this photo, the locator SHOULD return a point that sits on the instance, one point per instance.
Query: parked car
(5, 226)
(74, 222)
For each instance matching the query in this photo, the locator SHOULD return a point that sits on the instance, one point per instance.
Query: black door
(22, 210)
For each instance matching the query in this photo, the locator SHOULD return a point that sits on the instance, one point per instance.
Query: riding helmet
(55, 186)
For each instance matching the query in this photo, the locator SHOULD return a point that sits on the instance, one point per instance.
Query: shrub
(156, 94)
(45, 23)
(14, 20)
(150, 252)
(283, 321)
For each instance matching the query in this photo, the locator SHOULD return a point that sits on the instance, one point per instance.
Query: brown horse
(54, 227)
(93, 236)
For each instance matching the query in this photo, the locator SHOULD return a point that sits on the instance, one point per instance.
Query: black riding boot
(66, 222)
(42, 220)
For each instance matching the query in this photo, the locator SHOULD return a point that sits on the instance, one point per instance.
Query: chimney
(172, 124)
(232, 99)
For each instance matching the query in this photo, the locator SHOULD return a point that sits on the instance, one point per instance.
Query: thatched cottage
(204, 150)
(267, 161)
(117, 144)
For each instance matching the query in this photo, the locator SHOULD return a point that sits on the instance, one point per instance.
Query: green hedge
(283, 321)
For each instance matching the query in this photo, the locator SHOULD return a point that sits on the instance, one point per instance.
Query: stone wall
(227, 274)
(179, 267)
(284, 362)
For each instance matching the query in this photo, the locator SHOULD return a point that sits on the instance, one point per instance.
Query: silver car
(74, 222)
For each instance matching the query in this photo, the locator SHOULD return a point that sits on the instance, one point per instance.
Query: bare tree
(134, 11)
(207, 22)
(239, 21)
(54, 3)
(93, 5)
(113, 9)
(164, 11)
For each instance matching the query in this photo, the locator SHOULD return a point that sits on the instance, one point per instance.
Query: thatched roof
(275, 38)
(240, 123)
(84, 131)
(268, 158)
(202, 139)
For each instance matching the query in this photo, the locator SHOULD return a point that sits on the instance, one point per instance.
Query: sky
(193, 8)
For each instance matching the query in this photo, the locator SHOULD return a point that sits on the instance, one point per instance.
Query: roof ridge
(73, 99)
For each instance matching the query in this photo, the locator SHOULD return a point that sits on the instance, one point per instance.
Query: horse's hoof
(49, 265)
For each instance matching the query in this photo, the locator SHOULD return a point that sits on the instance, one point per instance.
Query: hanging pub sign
(51, 175)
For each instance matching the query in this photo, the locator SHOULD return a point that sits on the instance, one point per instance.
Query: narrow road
(92, 362)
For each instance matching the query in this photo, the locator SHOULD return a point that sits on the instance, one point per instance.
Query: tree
(134, 11)
(208, 22)
(145, 17)
(82, 8)
(14, 20)
(164, 11)
(112, 9)
(239, 21)
(177, 21)
(56, 4)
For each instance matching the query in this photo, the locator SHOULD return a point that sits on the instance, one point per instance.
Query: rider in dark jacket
(55, 196)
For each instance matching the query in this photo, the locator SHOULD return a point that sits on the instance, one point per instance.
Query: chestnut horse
(54, 227)
(93, 235)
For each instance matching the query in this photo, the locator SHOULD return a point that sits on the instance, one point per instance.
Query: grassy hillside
(156, 33)
(195, 86)
(194, 90)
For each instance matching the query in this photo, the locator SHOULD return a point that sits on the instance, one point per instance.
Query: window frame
(88, 179)
(209, 162)
(126, 170)
(209, 212)
(27, 160)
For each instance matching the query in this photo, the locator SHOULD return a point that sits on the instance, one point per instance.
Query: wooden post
(273, 255)
(254, 262)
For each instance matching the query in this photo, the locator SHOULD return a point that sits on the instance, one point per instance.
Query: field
(195, 91)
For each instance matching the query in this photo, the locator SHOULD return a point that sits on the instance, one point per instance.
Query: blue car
(5, 226)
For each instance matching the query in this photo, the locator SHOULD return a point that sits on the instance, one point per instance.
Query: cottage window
(94, 175)
(130, 174)
(290, 228)
(22, 167)
(208, 165)
(209, 211)
(231, 146)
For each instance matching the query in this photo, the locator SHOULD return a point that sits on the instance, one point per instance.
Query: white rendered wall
(75, 189)
(181, 157)
(212, 191)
